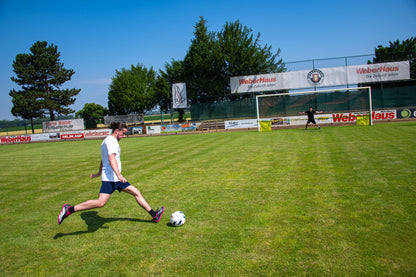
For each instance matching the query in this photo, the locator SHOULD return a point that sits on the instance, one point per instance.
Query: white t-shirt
(110, 146)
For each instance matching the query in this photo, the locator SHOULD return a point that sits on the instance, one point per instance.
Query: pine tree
(25, 105)
(243, 55)
(41, 75)
(202, 65)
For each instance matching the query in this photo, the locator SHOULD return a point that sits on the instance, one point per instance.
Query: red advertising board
(72, 136)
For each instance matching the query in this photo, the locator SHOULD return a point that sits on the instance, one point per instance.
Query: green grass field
(340, 201)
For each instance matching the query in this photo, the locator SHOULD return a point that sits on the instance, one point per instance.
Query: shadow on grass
(95, 222)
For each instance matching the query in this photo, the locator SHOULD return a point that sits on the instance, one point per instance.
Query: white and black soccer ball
(177, 218)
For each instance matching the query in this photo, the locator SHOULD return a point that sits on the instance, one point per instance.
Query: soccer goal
(284, 108)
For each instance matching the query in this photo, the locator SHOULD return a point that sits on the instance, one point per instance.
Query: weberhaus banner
(325, 77)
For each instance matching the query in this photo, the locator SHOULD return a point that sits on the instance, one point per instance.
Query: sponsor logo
(280, 121)
(406, 113)
(16, 139)
(72, 136)
(380, 69)
(88, 134)
(353, 117)
(315, 77)
(323, 118)
(257, 81)
(240, 124)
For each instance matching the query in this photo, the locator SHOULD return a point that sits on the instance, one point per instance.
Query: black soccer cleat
(159, 213)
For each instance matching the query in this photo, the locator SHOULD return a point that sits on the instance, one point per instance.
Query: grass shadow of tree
(95, 222)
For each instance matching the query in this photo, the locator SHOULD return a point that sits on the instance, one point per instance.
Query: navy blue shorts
(110, 187)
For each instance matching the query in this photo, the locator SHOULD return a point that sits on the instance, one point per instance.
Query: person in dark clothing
(311, 117)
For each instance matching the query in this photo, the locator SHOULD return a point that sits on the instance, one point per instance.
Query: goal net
(284, 108)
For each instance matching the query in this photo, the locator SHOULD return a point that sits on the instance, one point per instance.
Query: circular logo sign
(405, 113)
(315, 77)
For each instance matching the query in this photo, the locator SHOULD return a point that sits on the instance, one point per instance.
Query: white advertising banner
(179, 96)
(334, 76)
(378, 72)
(150, 130)
(241, 124)
(45, 137)
(63, 125)
(97, 133)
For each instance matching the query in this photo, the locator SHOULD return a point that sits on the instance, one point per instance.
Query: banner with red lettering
(63, 125)
(72, 135)
(333, 118)
(88, 134)
(325, 77)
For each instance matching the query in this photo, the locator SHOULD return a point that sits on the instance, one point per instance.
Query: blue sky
(96, 38)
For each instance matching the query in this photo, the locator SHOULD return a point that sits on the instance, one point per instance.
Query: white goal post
(330, 101)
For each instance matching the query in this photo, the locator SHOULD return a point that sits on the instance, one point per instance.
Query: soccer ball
(177, 219)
